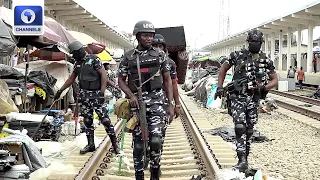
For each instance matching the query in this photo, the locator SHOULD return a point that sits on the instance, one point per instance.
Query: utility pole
(224, 19)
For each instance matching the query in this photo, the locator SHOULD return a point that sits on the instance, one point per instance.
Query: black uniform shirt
(173, 68)
(156, 96)
(237, 56)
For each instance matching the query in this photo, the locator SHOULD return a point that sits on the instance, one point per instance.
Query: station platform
(311, 78)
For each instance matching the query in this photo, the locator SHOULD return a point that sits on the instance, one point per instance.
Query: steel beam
(68, 13)
(62, 7)
(72, 17)
(307, 17)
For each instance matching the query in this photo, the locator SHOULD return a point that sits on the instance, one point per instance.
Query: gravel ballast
(294, 152)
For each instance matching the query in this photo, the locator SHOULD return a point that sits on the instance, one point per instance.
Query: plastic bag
(211, 97)
(6, 103)
(54, 168)
(81, 140)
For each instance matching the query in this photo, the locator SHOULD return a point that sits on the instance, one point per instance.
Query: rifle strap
(139, 73)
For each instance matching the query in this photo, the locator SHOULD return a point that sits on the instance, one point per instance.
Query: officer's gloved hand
(57, 95)
(218, 93)
(134, 102)
(262, 88)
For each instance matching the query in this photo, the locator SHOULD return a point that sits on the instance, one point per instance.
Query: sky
(200, 18)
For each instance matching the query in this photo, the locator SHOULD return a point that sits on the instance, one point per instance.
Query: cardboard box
(15, 150)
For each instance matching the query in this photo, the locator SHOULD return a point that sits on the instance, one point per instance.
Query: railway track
(186, 153)
(297, 97)
(300, 104)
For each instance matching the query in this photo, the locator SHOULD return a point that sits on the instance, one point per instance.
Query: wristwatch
(178, 105)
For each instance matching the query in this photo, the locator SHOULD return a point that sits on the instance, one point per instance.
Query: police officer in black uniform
(160, 42)
(92, 82)
(254, 76)
(154, 69)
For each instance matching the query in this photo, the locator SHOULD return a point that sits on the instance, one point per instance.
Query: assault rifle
(142, 115)
(242, 85)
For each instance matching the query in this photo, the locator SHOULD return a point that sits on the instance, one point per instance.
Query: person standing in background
(314, 63)
(301, 77)
(291, 72)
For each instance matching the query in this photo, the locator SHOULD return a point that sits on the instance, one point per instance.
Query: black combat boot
(90, 147)
(242, 164)
(115, 145)
(155, 173)
(139, 175)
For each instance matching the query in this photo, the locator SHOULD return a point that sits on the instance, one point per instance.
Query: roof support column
(273, 45)
(280, 50)
(266, 43)
(299, 47)
(289, 63)
(310, 46)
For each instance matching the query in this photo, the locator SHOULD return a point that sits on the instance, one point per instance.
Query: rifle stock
(142, 115)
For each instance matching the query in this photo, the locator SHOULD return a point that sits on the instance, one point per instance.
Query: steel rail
(297, 97)
(299, 109)
(209, 162)
(92, 165)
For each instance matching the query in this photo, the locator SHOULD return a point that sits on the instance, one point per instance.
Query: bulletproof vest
(89, 78)
(151, 76)
(252, 67)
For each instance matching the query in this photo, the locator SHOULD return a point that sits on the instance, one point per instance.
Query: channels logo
(28, 20)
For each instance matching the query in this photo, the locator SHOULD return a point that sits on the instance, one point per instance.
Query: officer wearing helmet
(254, 75)
(155, 74)
(92, 79)
(159, 42)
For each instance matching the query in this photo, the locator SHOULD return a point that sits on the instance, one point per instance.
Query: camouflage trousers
(157, 120)
(91, 103)
(114, 91)
(244, 112)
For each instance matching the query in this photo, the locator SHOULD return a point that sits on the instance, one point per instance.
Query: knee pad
(87, 122)
(239, 129)
(249, 132)
(155, 143)
(106, 122)
(137, 149)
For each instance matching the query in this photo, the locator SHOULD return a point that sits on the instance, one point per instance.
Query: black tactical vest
(89, 78)
(252, 67)
(151, 75)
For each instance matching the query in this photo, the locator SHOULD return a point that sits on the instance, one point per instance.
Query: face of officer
(145, 39)
(254, 46)
(160, 46)
(78, 54)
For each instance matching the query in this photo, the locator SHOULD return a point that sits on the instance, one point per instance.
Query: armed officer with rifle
(147, 70)
(92, 82)
(159, 42)
(254, 75)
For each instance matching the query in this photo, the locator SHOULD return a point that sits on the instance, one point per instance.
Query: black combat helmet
(255, 35)
(143, 26)
(158, 39)
(74, 46)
